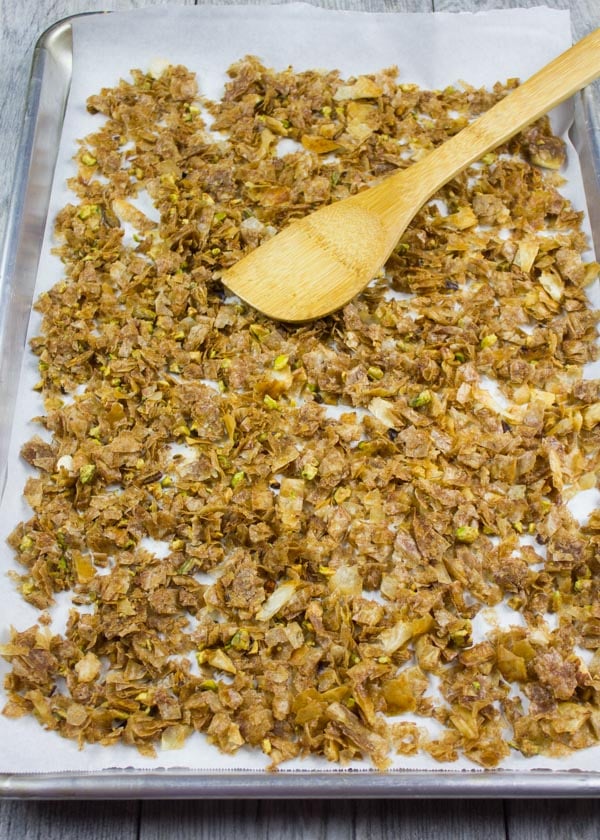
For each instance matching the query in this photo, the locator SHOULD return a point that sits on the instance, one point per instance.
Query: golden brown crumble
(323, 568)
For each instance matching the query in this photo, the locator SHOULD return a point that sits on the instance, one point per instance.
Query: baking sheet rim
(187, 784)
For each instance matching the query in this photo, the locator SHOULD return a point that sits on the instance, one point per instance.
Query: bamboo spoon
(319, 263)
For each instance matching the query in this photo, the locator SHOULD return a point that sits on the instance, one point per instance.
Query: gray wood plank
(423, 819)
(252, 820)
(564, 819)
(296, 820)
(68, 820)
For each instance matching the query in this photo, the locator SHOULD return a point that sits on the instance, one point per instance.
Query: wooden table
(21, 22)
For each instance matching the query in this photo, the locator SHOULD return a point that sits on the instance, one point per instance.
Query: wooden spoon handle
(557, 81)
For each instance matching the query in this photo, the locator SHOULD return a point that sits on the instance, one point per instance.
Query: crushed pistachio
(238, 479)
(87, 473)
(424, 398)
(466, 534)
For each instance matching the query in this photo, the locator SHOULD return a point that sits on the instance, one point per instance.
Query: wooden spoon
(319, 263)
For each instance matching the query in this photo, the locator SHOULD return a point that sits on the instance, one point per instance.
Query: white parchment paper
(432, 50)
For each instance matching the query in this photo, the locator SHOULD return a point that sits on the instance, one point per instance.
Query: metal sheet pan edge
(47, 96)
(169, 784)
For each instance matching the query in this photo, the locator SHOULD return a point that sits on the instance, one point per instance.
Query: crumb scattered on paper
(285, 537)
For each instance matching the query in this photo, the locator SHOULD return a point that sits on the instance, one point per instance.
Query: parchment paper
(433, 50)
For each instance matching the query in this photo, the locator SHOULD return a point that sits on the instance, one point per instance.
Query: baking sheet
(471, 47)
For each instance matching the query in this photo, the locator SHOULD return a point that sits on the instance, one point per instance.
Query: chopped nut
(466, 534)
(86, 473)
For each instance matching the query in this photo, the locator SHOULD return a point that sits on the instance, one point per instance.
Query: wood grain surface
(21, 23)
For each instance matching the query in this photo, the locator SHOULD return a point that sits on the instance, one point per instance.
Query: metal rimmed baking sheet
(51, 82)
